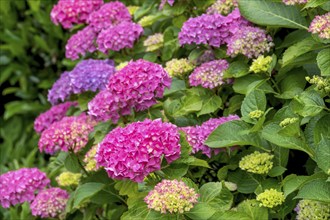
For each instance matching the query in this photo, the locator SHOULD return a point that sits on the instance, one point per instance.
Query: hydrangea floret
(288, 121)
(132, 9)
(321, 84)
(136, 150)
(171, 196)
(223, 7)
(271, 198)
(210, 74)
(68, 179)
(261, 64)
(54, 114)
(49, 203)
(321, 26)
(294, 2)
(312, 210)
(90, 160)
(179, 67)
(256, 114)
(259, 163)
(154, 42)
(19, 186)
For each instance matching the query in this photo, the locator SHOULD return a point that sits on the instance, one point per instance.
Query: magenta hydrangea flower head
(171, 196)
(55, 113)
(196, 136)
(19, 186)
(294, 2)
(209, 75)
(119, 37)
(249, 41)
(69, 12)
(81, 43)
(109, 15)
(70, 133)
(321, 26)
(50, 203)
(136, 150)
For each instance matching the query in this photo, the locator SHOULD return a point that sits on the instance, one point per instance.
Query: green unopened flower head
(154, 42)
(147, 20)
(288, 121)
(256, 114)
(179, 67)
(132, 9)
(68, 179)
(223, 7)
(121, 65)
(312, 210)
(259, 163)
(90, 160)
(321, 84)
(271, 198)
(261, 64)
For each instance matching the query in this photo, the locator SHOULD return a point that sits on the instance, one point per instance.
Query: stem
(275, 84)
(79, 162)
(119, 197)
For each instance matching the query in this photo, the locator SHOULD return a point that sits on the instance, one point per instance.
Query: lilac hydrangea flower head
(137, 150)
(171, 196)
(60, 90)
(80, 43)
(109, 15)
(55, 113)
(49, 203)
(321, 26)
(249, 41)
(196, 136)
(19, 186)
(294, 2)
(223, 7)
(119, 37)
(70, 133)
(209, 75)
(69, 12)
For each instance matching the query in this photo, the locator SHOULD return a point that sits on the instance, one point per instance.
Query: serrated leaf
(308, 103)
(85, 192)
(323, 61)
(201, 211)
(216, 196)
(255, 100)
(293, 84)
(230, 215)
(314, 3)
(141, 211)
(322, 154)
(246, 182)
(248, 83)
(317, 189)
(253, 210)
(237, 69)
(210, 105)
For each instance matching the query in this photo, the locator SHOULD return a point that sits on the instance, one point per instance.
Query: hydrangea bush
(174, 109)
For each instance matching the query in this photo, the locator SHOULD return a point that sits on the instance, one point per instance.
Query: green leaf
(152, 57)
(176, 170)
(126, 187)
(294, 37)
(292, 182)
(272, 13)
(230, 215)
(317, 189)
(216, 196)
(246, 84)
(314, 3)
(323, 61)
(237, 69)
(21, 107)
(141, 211)
(321, 129)
(86, 191)
(253, 210)
(322, 154)
(276, 171)
(293, 84)
(201, 211)
(71, 163)
(308, 103)
(255, 100)
(246, 182)
(210, 105)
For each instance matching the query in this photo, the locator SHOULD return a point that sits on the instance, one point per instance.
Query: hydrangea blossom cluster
(109, 15)
(294, 2)
(90, 160)
(55, 113)
(259, 163)
(171, 196)
(88, 75)
(137, 150)
(321, 84)
(223, 7)
(196, 136)
(19, 186)
(256, 114)
(271, 198)
(136, 86)
(321, 26)
(70, 133)
(179, 67)
(118, 37)
(49, 203)
(288, 121)
(67, 12)
(209, 75)
(154, 42)
(261, 64)
(68, 179)
(312, 210)
(163, 2)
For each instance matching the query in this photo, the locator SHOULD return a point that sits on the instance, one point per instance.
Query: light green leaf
(71, 163)
(321, 129)
(126, 187)
(322, 154)
(246, 182)
(255, 100)
(176, 170)
(272, 14)
(317, 189)
(276, 171)
(253, 210)
(293, 38)
(237, 69)
(323, 61)
(308, 103)
(314, 3)
(248, 83)
(201, 211)
(177, 85)
(216, 196)
(85, 192)
(142, 212)
(292, 182)
(210, 105)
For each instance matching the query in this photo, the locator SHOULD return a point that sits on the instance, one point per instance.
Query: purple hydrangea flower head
(60, 89)
(109, 15)
(249, 41)
(163, 2)
(294, 2)
(209, 75)
(118, 37)
(70, 133)
(55, 113)
(321, 26)
(136, 86)
(49, 203)
(19, 186)
(137, 150)
(196, 136)
(69, 12)
(81, 43)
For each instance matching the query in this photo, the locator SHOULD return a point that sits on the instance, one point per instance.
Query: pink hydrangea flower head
(50, 203)
(321, 26)
(294, 2)
(249, 41)
(70, 133)
(209, 75)
(69, 12)
(119, 37)
(223, 7)
(196, 136)
(171, 196)
(19, 186)
(81, 43)
(137, 150)
(109, 15)
(55, 113)
(163, 2)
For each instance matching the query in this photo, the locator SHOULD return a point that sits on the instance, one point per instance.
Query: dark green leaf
(85, 192)
(323, 61)
(317, 189)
